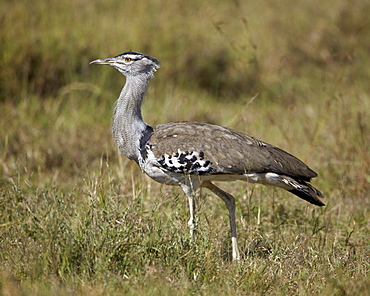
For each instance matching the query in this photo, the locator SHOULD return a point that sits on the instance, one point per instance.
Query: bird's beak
(108, 61)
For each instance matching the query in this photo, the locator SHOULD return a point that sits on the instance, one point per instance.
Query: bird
(192, 154)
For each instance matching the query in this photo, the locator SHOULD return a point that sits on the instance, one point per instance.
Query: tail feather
(304, 190)
(310, 194)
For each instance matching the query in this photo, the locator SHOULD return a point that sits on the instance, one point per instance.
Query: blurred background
(231, 48)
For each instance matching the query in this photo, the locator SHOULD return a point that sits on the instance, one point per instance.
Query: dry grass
(77, 218)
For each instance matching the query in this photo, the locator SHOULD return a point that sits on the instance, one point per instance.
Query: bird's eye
(127, 60)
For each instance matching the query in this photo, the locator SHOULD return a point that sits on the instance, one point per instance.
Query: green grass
(76, 218)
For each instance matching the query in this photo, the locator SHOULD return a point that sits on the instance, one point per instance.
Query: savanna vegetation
(76, 218)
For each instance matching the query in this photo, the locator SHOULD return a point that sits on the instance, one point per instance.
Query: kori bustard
(193, 154)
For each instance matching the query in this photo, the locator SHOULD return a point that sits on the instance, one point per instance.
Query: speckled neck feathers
(128, 126)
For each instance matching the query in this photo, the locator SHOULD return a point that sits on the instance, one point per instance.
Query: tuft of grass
(77, 218)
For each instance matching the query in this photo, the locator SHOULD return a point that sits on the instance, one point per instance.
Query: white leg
(230, 204)
(189, 189)
(192, 224)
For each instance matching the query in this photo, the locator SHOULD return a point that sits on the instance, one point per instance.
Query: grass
(77, 218)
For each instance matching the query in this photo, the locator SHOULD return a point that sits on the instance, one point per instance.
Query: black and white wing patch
(189, 163)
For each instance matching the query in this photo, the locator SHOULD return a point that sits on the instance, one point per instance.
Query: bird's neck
(128, 127)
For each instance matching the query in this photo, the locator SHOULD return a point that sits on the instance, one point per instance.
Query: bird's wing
(200, 148)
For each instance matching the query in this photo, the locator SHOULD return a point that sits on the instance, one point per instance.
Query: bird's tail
(310, 194)
(304, 190)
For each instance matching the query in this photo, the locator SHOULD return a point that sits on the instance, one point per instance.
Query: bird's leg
(230, 204)
(192, 223)
(189, 190)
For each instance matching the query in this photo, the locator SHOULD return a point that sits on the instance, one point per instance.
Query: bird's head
(131, 63)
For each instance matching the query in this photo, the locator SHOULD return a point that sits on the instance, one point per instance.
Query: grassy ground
(76, 218)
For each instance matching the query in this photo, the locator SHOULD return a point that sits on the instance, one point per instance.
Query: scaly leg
(230, 204)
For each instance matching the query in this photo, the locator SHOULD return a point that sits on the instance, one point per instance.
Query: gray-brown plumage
(232, 153)
(192, 154)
